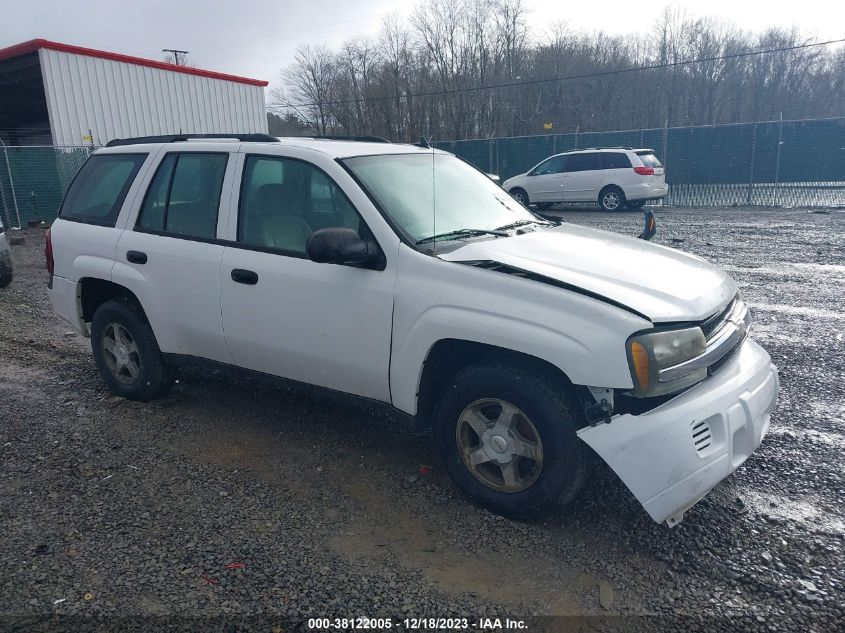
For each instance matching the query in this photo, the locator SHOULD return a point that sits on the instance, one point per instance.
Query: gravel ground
(234, 504)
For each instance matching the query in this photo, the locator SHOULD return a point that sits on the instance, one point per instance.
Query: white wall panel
(116, 99)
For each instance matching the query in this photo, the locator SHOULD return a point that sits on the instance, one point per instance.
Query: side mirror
(339, 245)
(649, 225)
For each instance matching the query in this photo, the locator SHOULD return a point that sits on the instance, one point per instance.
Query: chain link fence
(33, 181)
(772, 163)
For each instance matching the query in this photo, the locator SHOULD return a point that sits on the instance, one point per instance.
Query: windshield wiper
(462, 233)
(519, 223)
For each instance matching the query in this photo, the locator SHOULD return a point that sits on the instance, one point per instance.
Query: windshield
(436, 194)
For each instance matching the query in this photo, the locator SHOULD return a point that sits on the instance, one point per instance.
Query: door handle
(136, 257)
(244, 276)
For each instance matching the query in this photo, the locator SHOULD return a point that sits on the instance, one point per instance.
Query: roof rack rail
(361, 139)
(581, 149)
(173, 138)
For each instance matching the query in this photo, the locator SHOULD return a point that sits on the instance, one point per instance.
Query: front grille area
(701, 435)
(724, 332)
(734, 316)
(710, 324)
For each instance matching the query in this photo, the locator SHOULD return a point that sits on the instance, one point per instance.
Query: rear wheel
(126, 352)
(507, 437)
(611, 199)
(520, 195)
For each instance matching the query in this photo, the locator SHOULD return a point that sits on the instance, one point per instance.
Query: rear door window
(99, 189)
(649, 159)
(184, 197)
(615, 160)
(589, 161)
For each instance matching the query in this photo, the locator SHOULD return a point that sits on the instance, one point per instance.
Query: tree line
(431, 75)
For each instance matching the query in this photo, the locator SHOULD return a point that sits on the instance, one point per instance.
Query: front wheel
(126, 352)
(611, 199)
(520, 195)
(507, 437)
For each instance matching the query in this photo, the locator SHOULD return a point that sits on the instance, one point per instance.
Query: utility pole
(176, 53)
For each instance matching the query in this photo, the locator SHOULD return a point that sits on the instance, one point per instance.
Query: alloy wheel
(499, 445)
(611, 200)
(121, 353)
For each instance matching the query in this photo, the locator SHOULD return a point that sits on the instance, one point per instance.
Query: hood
(659, 282)
(512, 178)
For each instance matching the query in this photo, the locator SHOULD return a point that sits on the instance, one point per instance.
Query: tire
(520, 195)
(611, 199)
(635, 204)
(123, 319)
(542, 487)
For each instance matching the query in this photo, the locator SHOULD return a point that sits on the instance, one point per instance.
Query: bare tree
(471, 68)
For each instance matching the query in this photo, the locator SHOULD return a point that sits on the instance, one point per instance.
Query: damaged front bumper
(673, 455)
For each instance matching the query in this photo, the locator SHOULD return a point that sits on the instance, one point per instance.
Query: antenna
(176, 54)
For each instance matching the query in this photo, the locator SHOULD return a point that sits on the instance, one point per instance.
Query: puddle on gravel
(497, 577)
(805, 510)
(367, 520)
(802, 311)
(836, 440)
(19, 382)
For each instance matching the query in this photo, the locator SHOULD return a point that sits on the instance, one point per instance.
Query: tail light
(48, 252)
(644, 171)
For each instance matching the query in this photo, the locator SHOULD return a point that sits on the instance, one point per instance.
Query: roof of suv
(345, 149)
(336, 148)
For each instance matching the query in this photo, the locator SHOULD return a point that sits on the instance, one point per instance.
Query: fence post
(776, 189)
(490, 157)
(669, 198)
(751, 166)
(11, 183)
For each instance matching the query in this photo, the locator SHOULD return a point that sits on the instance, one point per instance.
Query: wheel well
(95, 292)
(606, 187)
(449, 356)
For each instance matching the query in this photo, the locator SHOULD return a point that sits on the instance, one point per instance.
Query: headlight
(651, 352)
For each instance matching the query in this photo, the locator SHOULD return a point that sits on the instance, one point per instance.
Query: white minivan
(403, 276)
(614, 177)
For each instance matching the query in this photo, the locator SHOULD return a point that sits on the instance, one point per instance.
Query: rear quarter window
(615, 160)
(649, 160)
(99, 189)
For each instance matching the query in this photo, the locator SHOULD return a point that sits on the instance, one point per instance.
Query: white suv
(402, 275)
(614, 177)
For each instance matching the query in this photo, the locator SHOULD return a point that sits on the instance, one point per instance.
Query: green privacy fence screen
(776, 163)
(33, 181)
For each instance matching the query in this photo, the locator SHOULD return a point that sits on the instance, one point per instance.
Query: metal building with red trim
(58, 94)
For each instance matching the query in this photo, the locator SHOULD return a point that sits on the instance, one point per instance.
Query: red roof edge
(33, 45)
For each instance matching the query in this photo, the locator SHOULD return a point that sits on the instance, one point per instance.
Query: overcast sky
(256, 38)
